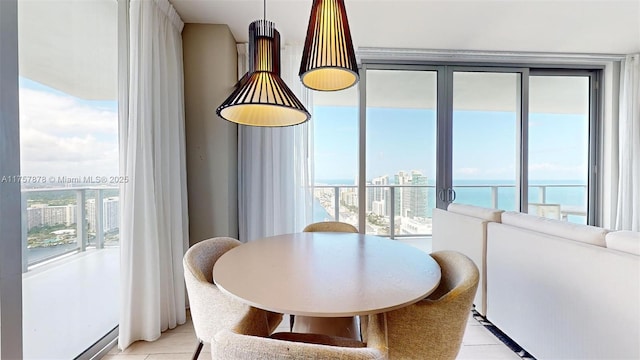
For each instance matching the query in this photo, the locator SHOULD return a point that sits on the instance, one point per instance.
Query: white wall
(210, 68)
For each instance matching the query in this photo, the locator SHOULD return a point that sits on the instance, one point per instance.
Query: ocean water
(319, 213)
(481, 195)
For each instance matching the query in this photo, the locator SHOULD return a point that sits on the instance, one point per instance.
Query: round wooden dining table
(326, 275)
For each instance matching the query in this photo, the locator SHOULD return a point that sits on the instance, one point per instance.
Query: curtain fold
(154, 226)
(274, 172)
(628, 204)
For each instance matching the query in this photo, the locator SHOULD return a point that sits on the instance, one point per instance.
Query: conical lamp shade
(328, 58)
(262, 98)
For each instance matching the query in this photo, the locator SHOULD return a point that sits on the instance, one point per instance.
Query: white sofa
(559, 290)
(463, 228)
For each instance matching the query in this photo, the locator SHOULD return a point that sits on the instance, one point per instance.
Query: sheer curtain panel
(154, 228)
(274, 168)
(628, 209)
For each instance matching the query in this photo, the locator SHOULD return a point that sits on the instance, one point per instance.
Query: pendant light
(328, 58)
(262, 98)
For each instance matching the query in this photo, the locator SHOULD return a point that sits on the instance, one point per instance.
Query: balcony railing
(387, 221)
(500, 196)
(75, 235)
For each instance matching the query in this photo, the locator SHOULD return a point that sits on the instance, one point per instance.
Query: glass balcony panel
(51, 224)
(559, 147)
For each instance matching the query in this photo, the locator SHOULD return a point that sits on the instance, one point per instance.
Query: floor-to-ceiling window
(510, 137)
(69, 174)
(558, 145)
(10, 249)
(401, 116)
(485, 122)
(335, 160)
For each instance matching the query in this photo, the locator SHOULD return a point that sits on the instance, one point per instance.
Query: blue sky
(63, 135)
(484, 144)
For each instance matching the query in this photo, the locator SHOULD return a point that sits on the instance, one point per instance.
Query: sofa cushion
(627, 241)
(577, 232)
(476, 211)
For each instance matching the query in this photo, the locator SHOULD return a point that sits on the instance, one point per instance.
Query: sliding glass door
(485, 121)
(68, 80)
(558, 145)
(401, 143)
(415, 137)
(513, 138)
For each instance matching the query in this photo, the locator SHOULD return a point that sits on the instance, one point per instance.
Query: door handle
(452, 195)
(441, 195)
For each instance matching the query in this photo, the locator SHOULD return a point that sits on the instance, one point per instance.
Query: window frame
(445, 70)
(11, 221)
(10, 193)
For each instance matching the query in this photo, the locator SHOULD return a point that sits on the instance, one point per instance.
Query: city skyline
(42, 214)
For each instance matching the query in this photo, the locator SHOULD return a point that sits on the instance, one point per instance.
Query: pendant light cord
(264, 9)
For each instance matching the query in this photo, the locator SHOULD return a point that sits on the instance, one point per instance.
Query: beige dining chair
(325, 226)
(250, 340)
(433, 327)
(330, 226)
(212, 310)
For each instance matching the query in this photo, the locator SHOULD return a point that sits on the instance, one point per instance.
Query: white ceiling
(58, 37)
(566, 26)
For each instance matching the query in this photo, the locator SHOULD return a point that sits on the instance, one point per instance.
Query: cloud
(64, 115)
(62, 136)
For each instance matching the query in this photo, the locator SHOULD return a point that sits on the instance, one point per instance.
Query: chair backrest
(330, 226)
(433, 327)
(249, 340)
(211, 310)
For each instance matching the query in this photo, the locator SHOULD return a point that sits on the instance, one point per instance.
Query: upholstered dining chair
(250, 340)
(330, 226)
(433, 327)
(325, 226)
(212, 310)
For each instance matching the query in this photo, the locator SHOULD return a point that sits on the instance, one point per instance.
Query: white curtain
(628, 204)
(274, 166)
(153, 232)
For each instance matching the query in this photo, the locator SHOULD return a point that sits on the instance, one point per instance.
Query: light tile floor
(179, 343)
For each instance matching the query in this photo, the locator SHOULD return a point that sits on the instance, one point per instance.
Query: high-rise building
(411, 200)
(45, 215)
(90, 208)
(418, 195)
(70, 214)
(34, 217)
(111, 213)
(402, 194)
(378, 193)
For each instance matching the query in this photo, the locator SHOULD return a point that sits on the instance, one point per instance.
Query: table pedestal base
(347, 327)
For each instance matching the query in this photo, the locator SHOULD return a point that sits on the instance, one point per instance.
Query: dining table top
(326, 274)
